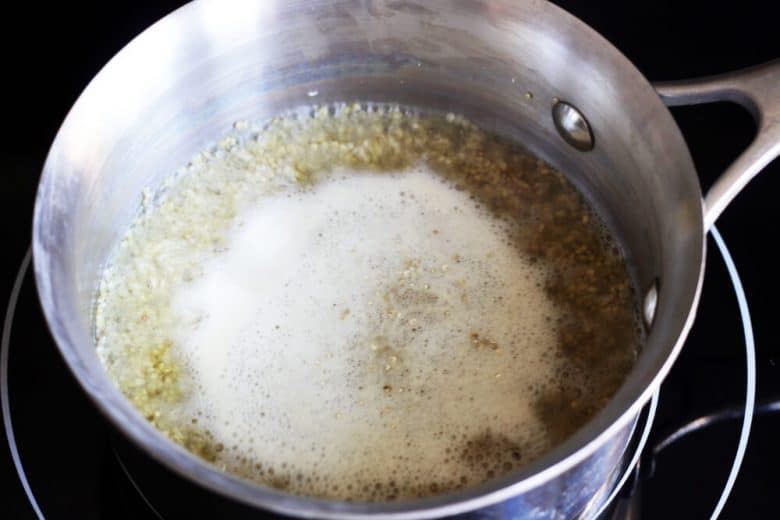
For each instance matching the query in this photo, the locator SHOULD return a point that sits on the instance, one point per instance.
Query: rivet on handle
(649, 304)
(572, 126)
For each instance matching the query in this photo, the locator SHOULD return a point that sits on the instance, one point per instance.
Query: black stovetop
(68, 450)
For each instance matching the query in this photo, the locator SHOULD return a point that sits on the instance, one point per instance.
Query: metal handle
(758, 90)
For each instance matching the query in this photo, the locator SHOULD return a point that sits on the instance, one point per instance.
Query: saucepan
(521, 68)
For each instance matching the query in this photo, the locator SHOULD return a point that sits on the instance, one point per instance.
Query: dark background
(51, 51)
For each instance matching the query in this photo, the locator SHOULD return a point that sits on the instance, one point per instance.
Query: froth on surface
(374, 329)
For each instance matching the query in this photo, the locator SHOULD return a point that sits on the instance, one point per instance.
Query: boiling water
(366, 305)
(373, 329)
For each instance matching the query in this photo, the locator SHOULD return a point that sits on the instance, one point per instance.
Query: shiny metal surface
(758, 90)
(183, 82)
(572, 126)
(649, 304)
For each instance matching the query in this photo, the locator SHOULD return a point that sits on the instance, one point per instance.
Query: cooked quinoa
(184, 222)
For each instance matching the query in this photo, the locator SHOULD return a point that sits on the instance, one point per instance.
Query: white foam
(298, 362)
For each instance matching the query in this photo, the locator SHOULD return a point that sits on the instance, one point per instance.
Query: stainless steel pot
(502, 63)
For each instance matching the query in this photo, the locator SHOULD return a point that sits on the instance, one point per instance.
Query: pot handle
(758, 90)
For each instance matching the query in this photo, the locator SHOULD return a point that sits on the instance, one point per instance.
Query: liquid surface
(380, 325)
